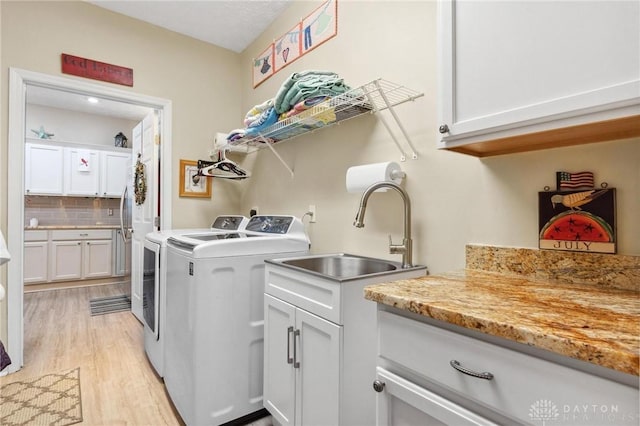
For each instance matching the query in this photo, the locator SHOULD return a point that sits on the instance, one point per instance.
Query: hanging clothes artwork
(140, 183)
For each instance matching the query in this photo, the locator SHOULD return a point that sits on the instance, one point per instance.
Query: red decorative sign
(89, 68)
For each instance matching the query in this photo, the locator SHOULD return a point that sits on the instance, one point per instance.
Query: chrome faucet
(406, 247)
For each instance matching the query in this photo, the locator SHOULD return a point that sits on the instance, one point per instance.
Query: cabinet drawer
(521, 383)
(318, 296)
(36, 235)
(81, 234)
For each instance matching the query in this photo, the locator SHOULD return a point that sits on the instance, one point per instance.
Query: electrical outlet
(110, 212)
(312, 210)
(253, 211)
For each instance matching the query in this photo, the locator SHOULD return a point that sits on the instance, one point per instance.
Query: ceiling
(229, 24)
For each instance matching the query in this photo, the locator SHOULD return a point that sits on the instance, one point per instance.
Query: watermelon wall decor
(577, 220)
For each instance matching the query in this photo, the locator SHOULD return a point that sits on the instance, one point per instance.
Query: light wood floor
(118, 385)
(117, 382)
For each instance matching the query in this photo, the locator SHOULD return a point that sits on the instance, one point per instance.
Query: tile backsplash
(76, 211)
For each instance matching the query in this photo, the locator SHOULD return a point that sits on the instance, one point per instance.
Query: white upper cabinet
(115, 168)
(512, 73)
(43, 169)
(81, 172)
(78, 170)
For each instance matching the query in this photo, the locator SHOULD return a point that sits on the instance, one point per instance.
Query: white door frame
(19, 79)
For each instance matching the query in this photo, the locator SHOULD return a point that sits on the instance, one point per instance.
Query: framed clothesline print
(320, 26)
(309, 33)
(288, 48)
(263, 66)
(189, 188)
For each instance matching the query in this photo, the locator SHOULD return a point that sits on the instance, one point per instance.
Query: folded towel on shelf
(305, 105)
(308, 88)
(313, 83)
(266, 119)
(255, 114)
(5, 361)
(236, 134)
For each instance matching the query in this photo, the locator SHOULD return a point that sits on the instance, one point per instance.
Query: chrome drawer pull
(296, 363)
(289, 359)
(455, 364)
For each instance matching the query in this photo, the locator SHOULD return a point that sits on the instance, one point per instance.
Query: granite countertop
(597, 322)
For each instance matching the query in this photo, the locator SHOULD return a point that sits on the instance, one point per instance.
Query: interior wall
(201, 80)
(456, 199)
(77, 127)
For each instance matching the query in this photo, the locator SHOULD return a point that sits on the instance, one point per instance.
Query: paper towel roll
(359, 178)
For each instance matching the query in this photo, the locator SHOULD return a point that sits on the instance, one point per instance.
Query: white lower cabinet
(36, 256)
(431, 370)
(320, 347)
(302, 365)
(404, 403)
(80, 254)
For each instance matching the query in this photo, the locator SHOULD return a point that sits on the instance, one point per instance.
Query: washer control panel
(270, 224)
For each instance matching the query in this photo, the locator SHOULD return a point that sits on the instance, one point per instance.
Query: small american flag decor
(569, 181)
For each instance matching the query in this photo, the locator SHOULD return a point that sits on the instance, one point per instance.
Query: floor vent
(107, 305)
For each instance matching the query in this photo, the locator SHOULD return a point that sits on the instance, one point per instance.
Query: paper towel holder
(359, 178)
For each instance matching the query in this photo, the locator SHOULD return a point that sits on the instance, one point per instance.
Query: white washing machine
(154, 282)
(215, 317)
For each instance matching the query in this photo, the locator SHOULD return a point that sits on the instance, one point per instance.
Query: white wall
(77, 127)
(456, 199)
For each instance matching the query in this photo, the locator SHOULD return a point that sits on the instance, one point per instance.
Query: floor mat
(52, 399)
(107, 305)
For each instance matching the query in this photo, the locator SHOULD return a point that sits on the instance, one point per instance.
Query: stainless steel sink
(343, 266)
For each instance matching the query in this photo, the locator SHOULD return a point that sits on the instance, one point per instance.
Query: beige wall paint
(456, 199)
(201, 80)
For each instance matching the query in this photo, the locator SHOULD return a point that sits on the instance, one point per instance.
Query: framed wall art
(578, 220)
(190, 187)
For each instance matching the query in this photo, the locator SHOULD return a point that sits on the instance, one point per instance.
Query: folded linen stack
(299, 93)
(308, 84)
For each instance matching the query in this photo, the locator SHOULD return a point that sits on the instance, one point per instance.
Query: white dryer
(215, 317)
(154, 282)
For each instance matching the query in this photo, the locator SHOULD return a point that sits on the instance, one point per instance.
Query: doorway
(19, 82)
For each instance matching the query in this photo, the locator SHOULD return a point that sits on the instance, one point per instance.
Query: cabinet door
(318, 351)
(43, 169)
(403, 403)
(114, 173)
(82, 172)
(279, 374)
(511, 68)
(66, 260)
(36, 261)
(97, 259)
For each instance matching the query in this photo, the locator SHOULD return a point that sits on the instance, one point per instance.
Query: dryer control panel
(232, 223)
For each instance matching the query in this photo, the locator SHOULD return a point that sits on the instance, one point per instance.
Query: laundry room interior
(390, 210)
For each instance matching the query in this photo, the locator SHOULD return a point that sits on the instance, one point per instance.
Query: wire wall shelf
(375, 96)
